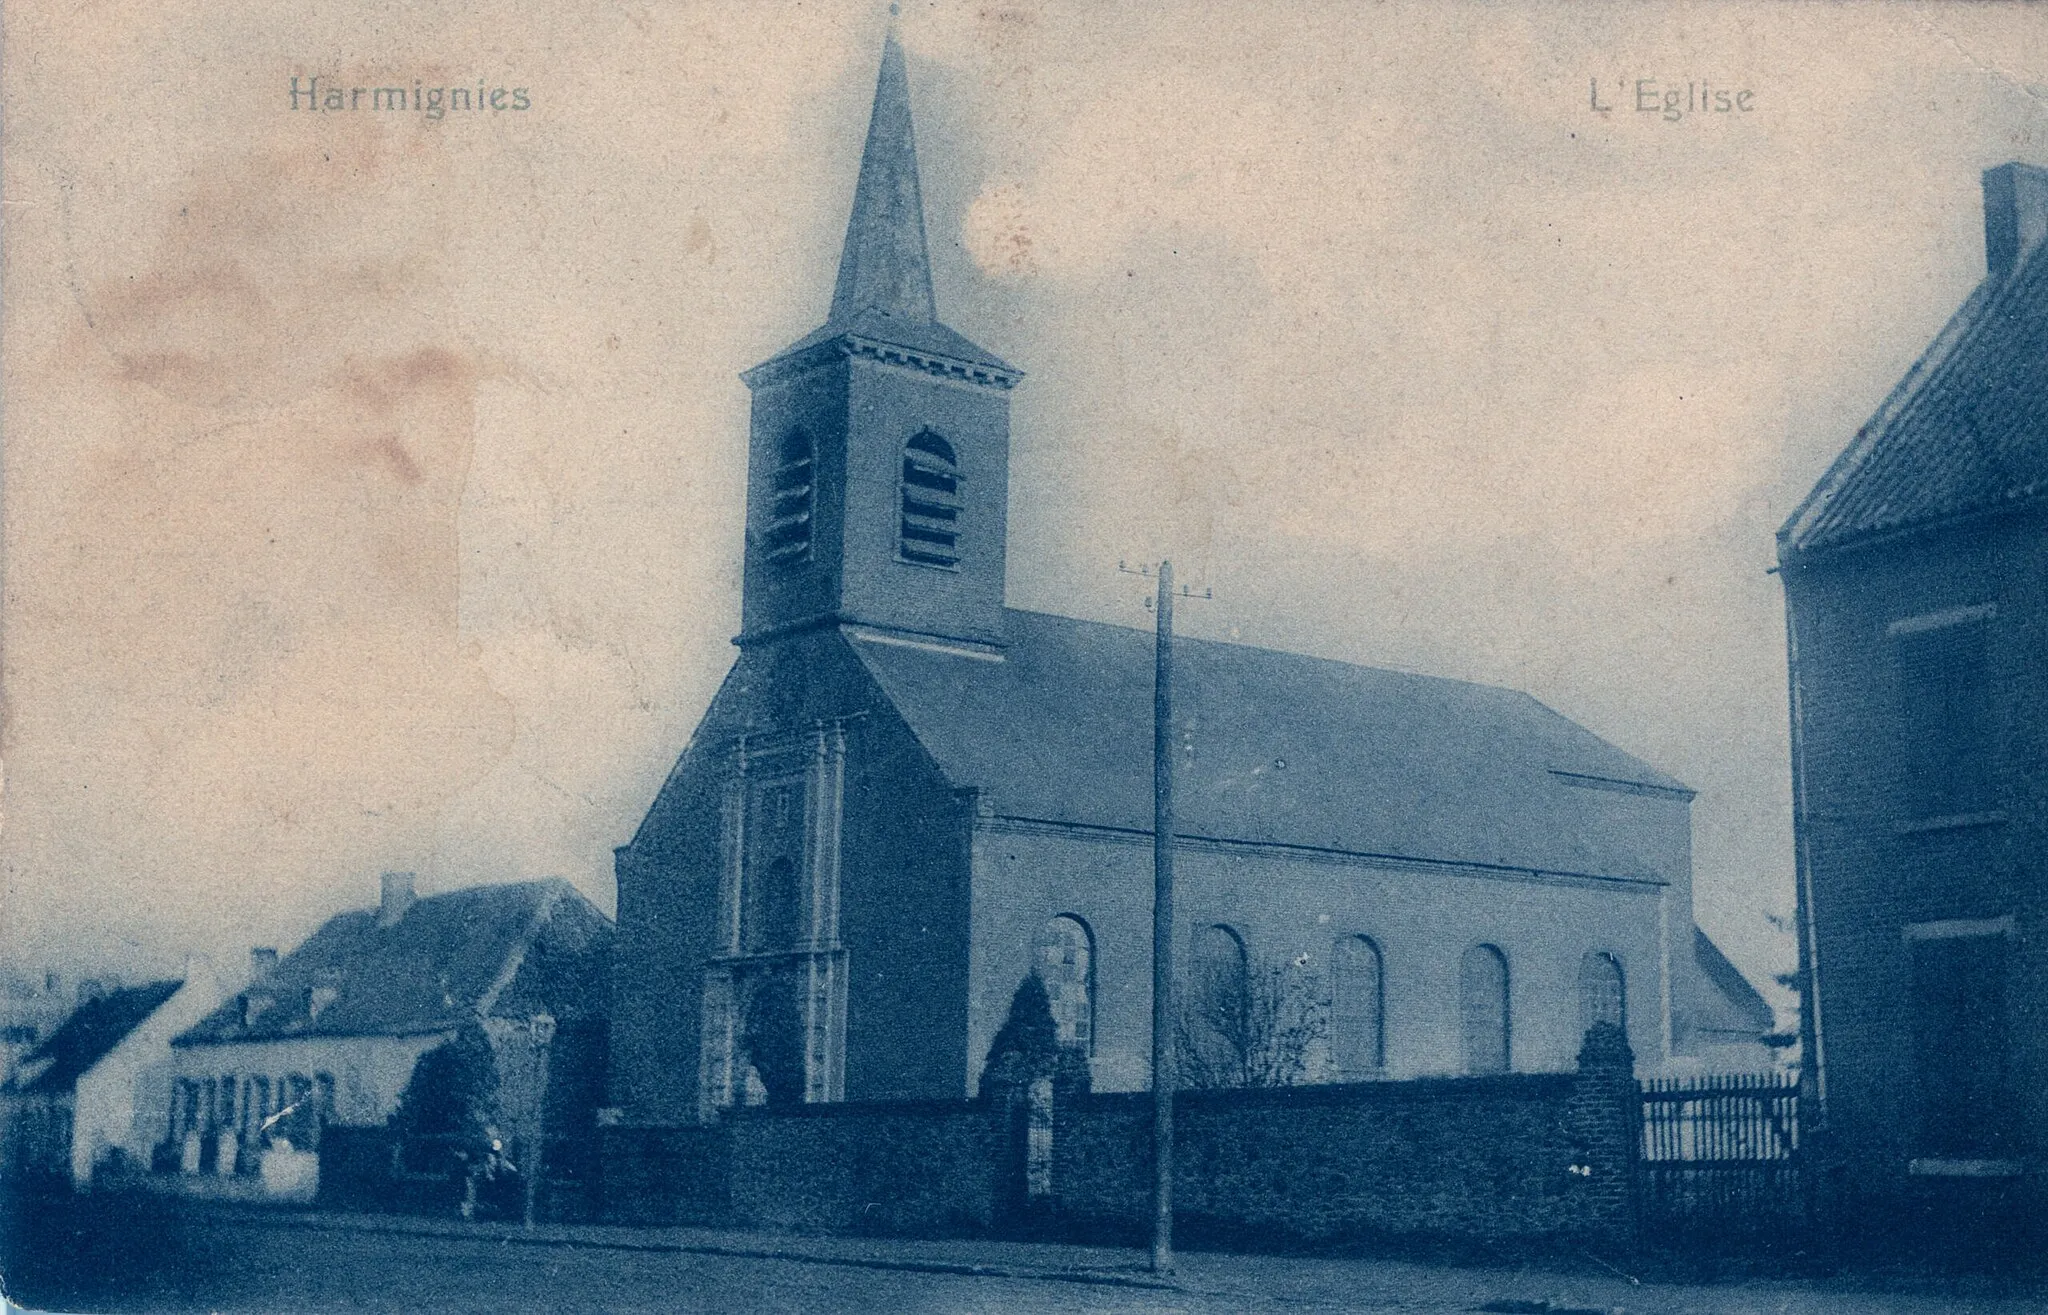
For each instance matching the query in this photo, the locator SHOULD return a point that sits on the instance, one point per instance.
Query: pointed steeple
(883, 299)
(885, 266)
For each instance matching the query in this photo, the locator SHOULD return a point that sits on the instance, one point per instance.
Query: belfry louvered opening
(930, 534)
(788, 532)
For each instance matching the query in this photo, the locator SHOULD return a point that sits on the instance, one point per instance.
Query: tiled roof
(1286, 749)
(1965, 431)
(92, 1031)
(451, 958)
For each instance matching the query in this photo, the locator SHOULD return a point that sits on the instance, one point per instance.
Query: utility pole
(1164, 1074)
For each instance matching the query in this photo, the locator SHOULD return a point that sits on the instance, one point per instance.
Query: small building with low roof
(88, 1096)
(330, 1034)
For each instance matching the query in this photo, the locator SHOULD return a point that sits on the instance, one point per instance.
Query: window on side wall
(1944, 715)
(1483, 1009)
(1064, 959)
(1219, 1034)
(1960, 1080)
(1358, 1037)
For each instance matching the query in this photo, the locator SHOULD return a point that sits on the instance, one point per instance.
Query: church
(907, 797)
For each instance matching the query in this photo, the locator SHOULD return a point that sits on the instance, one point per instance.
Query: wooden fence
(1721, 1164)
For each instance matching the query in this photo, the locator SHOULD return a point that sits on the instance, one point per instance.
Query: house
(1916, 593)
(330, 1033)
(31, 1008)
(907, 796)
(87, 1096)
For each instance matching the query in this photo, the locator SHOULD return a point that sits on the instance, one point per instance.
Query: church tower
(878, 468)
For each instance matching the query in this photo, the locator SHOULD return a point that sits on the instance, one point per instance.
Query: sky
(372, 481)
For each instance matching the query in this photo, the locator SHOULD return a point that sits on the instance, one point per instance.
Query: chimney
(262, 962)
(397, 898)
(2015, 214)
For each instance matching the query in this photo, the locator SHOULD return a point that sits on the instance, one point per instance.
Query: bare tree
(1258, 1026)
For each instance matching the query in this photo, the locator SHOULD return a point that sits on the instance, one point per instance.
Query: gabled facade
(1916, 590)
(906, 796)
(86, 1097)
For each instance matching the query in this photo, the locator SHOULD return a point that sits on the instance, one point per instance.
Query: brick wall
(1875, 866)
(1525, 1159)
(920, 1169)
(679, 1175)
(1518, 1158)
(911, 1168)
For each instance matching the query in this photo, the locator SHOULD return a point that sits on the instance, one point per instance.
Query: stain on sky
(261, 561)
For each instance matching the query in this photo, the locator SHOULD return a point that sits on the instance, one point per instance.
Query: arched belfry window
(930, 534)
(788, 532)
(1603, 993)
(1064, 959)
(1483, 1009)
(1358, 1037)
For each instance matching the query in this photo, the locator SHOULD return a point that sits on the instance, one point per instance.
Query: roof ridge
(1183, 638)
(474, 888)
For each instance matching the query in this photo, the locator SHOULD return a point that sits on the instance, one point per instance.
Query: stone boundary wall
(677, 1175)
(1520, 1160)
(1489, 1161)
(906, 1169)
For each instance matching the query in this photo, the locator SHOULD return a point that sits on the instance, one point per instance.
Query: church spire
(885, 265)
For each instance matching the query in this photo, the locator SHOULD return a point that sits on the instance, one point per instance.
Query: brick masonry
(1873, 867)
(1519, 1159)
(912, 1169)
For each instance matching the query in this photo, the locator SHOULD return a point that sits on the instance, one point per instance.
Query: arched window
(1358, 1037)
(1064, 959)
(1603, 995)
(788, 531)
(1219, 970)
(1217, 1039)
(931, 501)
(1483, 1009)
